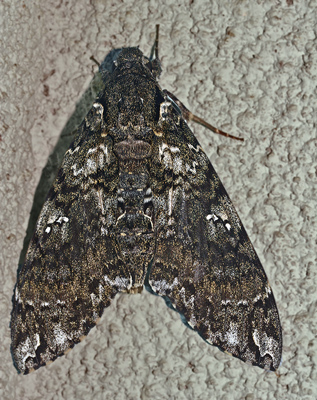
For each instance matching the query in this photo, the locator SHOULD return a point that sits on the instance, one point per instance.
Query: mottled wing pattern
(72, 270)
(205, 265)
(137, 195)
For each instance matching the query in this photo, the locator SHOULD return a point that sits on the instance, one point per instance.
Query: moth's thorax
(132, 95)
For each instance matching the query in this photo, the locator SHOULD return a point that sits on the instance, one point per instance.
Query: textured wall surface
(250, 68)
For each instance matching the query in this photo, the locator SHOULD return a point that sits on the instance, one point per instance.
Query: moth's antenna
(155, 64)
(155, 45)
(95, 61)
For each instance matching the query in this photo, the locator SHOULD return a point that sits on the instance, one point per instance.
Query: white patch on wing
(100, 201)
(121, 216)
(104, 231)
(223, 216)
(231, 336)
(101, 291)
(170, 201)
(27, 349)
(193, 168)
(100, 157)
(121, 283)
(265, 343)
(92, 150)
(99, 108)
(91, 166)
(62, 219)
(75, 170)
(106, 153)
(190, 303)
(243, 302)
(257, 298)
(52, 218)
(162, 147)
(238, 303)
(228, 226)
(268, 290)
(192, 322)
(97, 299)
(60, 336)
(17, 295)
(170, 159)
(70, 151)
(146, 200)
(177, 165)
(149, 219)
(196, 149)
(94, 299)
(162, 286)
(214, 217)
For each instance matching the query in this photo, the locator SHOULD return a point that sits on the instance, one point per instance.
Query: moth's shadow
(67, 136)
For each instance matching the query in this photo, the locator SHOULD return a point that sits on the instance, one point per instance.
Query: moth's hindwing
(136, 200)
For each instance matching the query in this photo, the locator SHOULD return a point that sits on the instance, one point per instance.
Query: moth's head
(132, 58)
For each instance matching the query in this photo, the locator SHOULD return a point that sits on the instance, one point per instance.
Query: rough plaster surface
(249, 68)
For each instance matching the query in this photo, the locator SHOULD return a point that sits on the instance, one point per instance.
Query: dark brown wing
(205, 264)
(71, 271)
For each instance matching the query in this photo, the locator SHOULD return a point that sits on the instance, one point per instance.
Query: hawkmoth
(136, 203)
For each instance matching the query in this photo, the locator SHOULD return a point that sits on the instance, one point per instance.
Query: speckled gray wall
(247, 67)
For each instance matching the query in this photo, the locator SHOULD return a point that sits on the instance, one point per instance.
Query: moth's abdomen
(135, 226)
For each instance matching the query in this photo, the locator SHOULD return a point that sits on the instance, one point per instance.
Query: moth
(136, 203)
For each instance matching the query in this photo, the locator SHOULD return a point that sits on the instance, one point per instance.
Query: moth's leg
(189, 116)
